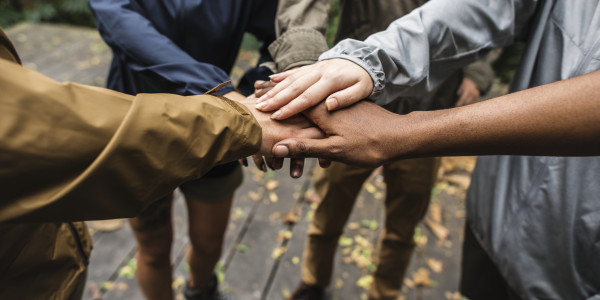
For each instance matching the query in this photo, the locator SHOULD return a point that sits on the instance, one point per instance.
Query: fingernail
(281, 151)
(262, 98)
(259, 82)
(275, 115)
(261, 105)
(296, 173)
(263, 167)
(331, 104)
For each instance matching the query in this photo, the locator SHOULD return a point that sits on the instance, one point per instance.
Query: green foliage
(334, 18)
(74, 12)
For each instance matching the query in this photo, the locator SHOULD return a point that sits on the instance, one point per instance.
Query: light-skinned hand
(468, 93)
(339, 81)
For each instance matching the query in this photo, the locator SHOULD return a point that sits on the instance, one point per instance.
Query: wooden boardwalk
(270, 214)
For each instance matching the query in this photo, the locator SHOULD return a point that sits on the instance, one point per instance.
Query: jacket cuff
(297, 47)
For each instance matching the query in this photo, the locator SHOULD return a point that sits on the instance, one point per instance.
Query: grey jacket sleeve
(421, 49)
(301, 27)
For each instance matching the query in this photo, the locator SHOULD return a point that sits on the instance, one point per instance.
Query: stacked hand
(274, 131)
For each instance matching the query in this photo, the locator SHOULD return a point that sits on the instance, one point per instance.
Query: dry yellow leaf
(409, 283)
(339, 283)
(254, 195)
(435, 265)
(178, 283)
(421, 277)
(365, 282)
(435, 211)
(439, 230)
(278, 252)
(272, 184)
(273, 197)
(295, 260)
(311, 196)
(370, 187)
(353, 225)
(290, 218)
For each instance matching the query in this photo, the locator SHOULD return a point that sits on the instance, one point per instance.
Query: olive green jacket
(71, 152)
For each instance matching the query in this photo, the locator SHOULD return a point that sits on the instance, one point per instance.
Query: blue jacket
(182, 47)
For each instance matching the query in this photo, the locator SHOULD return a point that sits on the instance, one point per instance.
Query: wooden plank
(244, 203)
(62, 52)
(126, 286)
(345, 275)
(249, 271)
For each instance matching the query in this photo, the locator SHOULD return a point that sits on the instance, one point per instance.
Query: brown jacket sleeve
(301, 27)
(75, 152)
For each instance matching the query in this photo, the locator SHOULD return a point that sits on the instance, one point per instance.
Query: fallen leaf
(107, 285)
(254, 195)
(345, 241)
(435, 211)
(278, 252)
(339, 283)
(286, 293)
(311, 196)
(284, 235)
(238, 213)
(295, 260)
(439, 230)
(365, 282)
(121, 286)
(370, 187)
(242, 248)
(421, 277)
(272, 184)
(409, 283)
(178, 283)
(435, 265)
(273, 197)
(460, 214)
(378, 195)
(290, 218)
(353, 225)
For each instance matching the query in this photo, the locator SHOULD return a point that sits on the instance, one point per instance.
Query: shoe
(212, 293)
(308, 292)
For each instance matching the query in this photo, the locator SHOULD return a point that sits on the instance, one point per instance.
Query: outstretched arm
(560, 118)
(75, 152)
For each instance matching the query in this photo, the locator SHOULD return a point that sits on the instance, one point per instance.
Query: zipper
(78, 241)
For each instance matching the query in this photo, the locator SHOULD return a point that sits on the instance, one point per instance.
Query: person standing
(408, 182)
(186, 48)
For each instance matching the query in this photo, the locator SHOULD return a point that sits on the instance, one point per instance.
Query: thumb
(302, 147)
(346, 97)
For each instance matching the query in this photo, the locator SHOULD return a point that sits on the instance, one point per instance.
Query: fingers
(287, 91)
(259, 162)
(347, 97)
(243, 162)
(296, 167)
(302, 147)
(324, 163)
(274, 163)
(261, 87)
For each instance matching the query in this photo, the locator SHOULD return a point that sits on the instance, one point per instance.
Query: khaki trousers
(409, 184)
